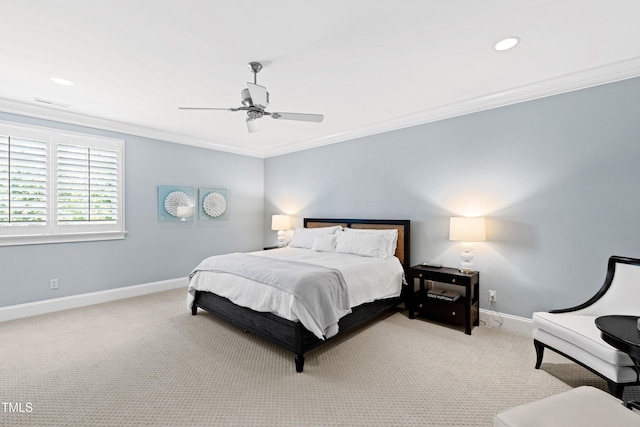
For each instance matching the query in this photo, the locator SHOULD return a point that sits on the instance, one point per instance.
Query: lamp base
(281, 240)
(466, 266)
(466, 263)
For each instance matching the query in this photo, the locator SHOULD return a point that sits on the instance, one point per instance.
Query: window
(58, 186)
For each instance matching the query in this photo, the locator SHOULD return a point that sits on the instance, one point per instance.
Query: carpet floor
(146, 361)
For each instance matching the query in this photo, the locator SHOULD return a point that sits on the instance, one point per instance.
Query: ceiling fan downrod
(255, 68)
(245, 95)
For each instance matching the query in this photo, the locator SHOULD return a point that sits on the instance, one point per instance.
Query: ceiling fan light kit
(255, 100)
(253, 125)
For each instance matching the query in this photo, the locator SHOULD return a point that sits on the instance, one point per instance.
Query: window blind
(23, 181)
(87, 184)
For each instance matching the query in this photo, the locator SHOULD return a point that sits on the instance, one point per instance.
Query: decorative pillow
(363, 244)
(324, 244)
(389, 236)
(303, 237)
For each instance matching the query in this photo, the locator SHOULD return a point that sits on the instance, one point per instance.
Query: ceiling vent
(54, 103)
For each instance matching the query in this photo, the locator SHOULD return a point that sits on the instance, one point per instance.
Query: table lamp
(467, 230)
(280, 223)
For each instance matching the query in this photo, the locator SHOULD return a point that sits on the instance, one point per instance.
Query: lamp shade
(281, 222)
(465, 229)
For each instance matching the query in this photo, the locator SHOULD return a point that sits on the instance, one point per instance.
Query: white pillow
(363, 244)
(303, 237)
(324, 244)
(389, 236)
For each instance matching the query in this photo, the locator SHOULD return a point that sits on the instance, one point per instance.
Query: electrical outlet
(53, 284)
(492, 296)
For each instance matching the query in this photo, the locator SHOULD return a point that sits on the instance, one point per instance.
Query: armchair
(572, 332)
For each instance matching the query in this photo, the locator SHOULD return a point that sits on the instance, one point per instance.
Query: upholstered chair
(572, 332)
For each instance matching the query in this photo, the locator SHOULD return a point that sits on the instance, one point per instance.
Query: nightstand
(463, 311)
(267, 248)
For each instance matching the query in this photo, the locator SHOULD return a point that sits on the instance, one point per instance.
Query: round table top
(622, 330)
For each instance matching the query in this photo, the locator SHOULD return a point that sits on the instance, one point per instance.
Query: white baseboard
(19, 311)
(488, 318)
(506, 322)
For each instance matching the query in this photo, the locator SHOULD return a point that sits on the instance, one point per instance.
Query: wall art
(213, 204)
(176, 203)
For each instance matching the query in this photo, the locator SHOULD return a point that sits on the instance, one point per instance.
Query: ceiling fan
(255, 99)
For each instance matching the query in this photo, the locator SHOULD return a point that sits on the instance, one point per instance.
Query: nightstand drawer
(445, 277)
(450, 312)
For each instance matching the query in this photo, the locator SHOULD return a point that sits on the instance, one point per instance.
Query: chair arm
(584, 305)
(568, 310)
(611, 269)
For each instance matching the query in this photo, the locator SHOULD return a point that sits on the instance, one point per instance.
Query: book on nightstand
(443, 294)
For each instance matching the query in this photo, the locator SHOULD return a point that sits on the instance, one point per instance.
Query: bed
(292, 334)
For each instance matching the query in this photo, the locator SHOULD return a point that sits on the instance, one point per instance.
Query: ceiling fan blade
(303, 117)
(207, 108)
(259, 95)
(253, 125)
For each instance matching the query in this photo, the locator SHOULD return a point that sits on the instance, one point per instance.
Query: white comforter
(367, 278)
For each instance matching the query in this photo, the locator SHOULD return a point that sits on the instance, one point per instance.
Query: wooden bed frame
(293, 336)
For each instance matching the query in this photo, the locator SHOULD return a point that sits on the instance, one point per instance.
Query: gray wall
(152, 251)
(557, 178)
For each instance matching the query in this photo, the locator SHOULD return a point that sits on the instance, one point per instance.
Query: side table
(464, 311)
(621, 332)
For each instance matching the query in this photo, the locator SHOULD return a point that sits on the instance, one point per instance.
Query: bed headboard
(403, 249)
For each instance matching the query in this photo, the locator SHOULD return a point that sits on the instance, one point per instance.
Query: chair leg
(615, 389)
(539, 352)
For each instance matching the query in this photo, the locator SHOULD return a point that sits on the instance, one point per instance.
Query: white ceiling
(368, 66)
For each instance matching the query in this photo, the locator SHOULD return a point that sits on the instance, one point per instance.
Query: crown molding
(68, 117)
(596, 76)
(608, 73)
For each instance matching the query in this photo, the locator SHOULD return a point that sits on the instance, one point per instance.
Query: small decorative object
(467, 230)
(175, 203)
(281, 223)
(214, 204)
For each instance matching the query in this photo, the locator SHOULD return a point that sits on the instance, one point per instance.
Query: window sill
(61, 238)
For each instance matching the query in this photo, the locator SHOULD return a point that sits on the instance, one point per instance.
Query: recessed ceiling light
(506, 44)
(61, 81)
